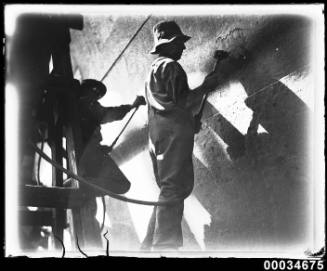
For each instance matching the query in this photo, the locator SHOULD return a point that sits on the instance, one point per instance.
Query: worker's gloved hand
(210, 82)
(139, 101)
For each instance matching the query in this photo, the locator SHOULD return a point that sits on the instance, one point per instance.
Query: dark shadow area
(226, 131)
(45, 106)
(265, 201)
(280, 46)
(290, 34)
(283, 115)
(205, 183)
(37, 38)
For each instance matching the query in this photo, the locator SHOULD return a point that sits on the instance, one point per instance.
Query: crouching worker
(95, 164)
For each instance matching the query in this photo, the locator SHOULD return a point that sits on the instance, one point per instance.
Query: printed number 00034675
(293, 265)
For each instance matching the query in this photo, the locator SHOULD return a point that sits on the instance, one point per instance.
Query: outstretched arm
(225, 67)
(111, 114)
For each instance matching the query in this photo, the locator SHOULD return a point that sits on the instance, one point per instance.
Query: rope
(107, 246)
(62, 244)
(107, 192)
(80, 250)
(122, 52)
(39, 165)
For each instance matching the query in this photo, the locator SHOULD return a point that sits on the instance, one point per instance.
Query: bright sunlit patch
(139, 172)
(111, 130)
(78, 75)
(64, 143)
(121, 91)
(262, 130)
(50, 65)
(12, 169)
(199, 154)
(45, 167)
(115, 98)
(195, 79)
(11, 15)
(99, 214)
(302, 86)
(112, 97)
(151, 146)
(64, 164)
(197, 217)
(230, 103)
(67, 240)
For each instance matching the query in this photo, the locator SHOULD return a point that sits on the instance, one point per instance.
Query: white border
(313, 11)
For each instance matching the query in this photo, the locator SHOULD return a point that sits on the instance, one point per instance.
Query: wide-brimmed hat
(165, 32)
(93, 86)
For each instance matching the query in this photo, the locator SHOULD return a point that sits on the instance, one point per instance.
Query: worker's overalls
(171, 138)
(95, 164)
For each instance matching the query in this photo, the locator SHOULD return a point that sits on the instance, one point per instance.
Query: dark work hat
(165, 32)
(90, 85)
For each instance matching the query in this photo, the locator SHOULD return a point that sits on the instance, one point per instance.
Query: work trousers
(171, 137)
(101, 169)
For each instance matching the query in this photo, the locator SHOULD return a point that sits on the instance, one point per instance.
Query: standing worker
(171, 134)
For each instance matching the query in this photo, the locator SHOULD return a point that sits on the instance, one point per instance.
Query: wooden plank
(82, 220)
(58, 213)
(72, 133)
(56, 134)
(51, 197)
